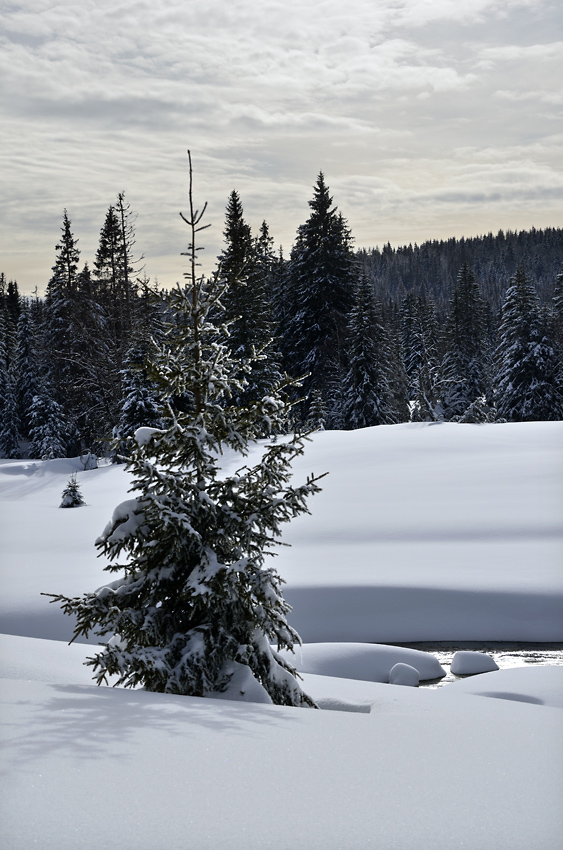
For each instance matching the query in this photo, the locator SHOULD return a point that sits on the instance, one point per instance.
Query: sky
(429, 118)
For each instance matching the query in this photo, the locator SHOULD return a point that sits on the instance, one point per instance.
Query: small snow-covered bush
(71, 496)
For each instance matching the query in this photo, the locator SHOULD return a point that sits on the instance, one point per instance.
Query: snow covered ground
(422, 532)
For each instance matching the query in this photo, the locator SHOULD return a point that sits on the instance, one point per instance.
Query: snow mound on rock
(467, 663)
(365, 661)
(404, 674)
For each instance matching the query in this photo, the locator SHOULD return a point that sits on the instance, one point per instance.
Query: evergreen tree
(464, 368)
(557, 313)
(421, 357)
(27, 368)
(527, 368)
(61, 328)
(245, 267)
(71, 495)
(366, 389)
(48, 427)
(197, 605)
(9, 420)
(140, 404)
(319, 290)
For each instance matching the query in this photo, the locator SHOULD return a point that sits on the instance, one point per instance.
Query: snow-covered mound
(371, 662)
(467, 663)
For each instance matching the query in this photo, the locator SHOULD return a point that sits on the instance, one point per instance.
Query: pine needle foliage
(196, 599)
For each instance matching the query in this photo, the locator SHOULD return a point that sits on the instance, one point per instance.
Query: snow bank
(113, 768)
(535, 684)
(361, 661)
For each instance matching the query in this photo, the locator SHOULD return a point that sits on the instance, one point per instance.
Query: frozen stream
(505, 654)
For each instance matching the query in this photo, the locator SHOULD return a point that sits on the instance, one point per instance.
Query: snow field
(421, 532)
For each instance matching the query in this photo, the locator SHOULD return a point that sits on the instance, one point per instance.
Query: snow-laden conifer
(366, 396)
(464, 368)
(48, 426)
(71, 495)
(196, 603)
(527, 378)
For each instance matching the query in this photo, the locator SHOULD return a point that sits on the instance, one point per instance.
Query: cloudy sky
(429, 118)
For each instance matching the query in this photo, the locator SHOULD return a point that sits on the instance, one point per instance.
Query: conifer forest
(464, 330)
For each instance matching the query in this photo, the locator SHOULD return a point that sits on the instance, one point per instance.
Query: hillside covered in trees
(467, 330)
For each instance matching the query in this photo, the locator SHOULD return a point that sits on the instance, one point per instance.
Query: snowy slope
(103, 768)
(421, 532)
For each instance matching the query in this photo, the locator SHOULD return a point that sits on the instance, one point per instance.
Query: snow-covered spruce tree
(9, 420)
(196, 606)
(245, 266)
(464, 368)
(27, 368)
(71, 495)
(366, 393)
(527, 376)
(418, 319)
(48, 430)
(139, 406)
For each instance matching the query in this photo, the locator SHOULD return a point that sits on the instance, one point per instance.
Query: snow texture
(159, 768)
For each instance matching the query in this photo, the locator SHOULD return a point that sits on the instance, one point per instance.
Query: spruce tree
(527, 373)
(464, 368)
(9, 419)
(71, 495)
(140, 404)
(419, 333)
(366, 398)
(245, 267)
(196, 604)
(27, 368)
(61, 328)
(321, 275)
(49, 430)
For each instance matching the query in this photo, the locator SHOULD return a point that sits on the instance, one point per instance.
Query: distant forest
(464, 330)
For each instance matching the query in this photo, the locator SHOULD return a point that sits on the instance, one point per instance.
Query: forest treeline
(466, 330)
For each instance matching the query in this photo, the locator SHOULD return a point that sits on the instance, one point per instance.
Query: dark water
(506, 655)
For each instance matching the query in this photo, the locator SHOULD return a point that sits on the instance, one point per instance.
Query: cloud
(409, 106)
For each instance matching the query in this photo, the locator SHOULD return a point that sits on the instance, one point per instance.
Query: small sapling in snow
(72, 497)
